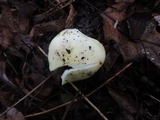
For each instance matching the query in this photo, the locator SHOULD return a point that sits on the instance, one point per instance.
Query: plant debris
(127, 86)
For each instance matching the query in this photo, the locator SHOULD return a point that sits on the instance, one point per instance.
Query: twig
(26, 95)
(89, 102)
(108, 80)
(69, 106)
(50, 110)
(9, 62)
(62, 105)
(154, 98)
(42, 51)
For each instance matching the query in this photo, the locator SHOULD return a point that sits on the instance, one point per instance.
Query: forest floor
(127, 86)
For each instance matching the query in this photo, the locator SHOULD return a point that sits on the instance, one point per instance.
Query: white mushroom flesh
(74, 49)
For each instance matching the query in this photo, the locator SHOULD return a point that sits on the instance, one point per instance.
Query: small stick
(89, 102)
(42, 51)
(50, 110)
(26, 95)
(62, 105)
(110, 79)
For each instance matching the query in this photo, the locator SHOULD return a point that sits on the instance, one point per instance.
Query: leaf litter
(129, 30)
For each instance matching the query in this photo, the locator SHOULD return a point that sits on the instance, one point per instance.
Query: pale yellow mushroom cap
(74, 49)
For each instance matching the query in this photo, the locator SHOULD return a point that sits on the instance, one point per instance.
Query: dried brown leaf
(51, 26)
(124, 101)
(9, 37)
(31, 81)
(25, 12)
(6, 25)
(142, 29)
(39, 17)
(151, 44)
(129, 50)
(111, 57)
(117, 11)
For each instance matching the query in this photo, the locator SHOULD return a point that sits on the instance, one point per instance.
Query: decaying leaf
(125, 102)
(9, 36)
(128, 49)
(117, 11)
(130, 32)
(51, 26)
(13, 114)
(145, 35)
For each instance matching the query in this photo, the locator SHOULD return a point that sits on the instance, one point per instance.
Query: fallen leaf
(25, 12)
(125, 102)
(117, 11)
(51, 26)
(127, 26)
(9, 36)
(135, 42)
(30, 81)
(13, 114)
(128, 49)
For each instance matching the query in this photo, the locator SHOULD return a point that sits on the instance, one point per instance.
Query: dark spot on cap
(58, 53)
(82, 58)
(89, 74)
(71, 74)
(63, 60)
(90, 47)
(82, 52)
(68, 51)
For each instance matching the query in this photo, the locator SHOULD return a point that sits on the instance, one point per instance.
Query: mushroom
(72, 48)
